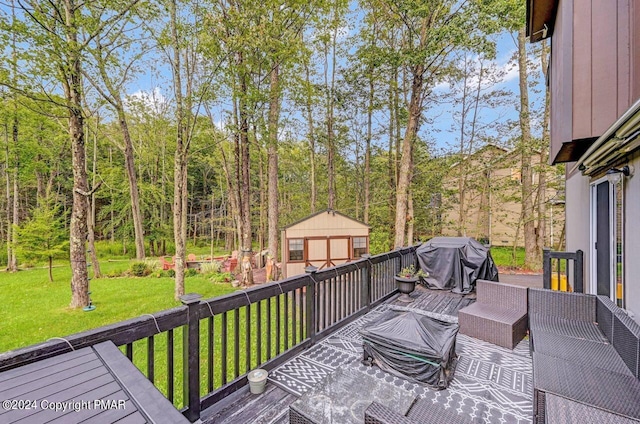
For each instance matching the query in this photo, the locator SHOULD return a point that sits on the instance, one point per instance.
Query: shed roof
(334, 212)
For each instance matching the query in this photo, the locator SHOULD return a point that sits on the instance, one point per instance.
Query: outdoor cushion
(586, 352)
(566, 327)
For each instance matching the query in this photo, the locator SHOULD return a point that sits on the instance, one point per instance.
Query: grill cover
(455, 263)
(411, 345)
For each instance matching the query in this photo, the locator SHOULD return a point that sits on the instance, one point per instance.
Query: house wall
(492, 201)
(561, 78)
(599, 81)
(631, 259)
(578, 219)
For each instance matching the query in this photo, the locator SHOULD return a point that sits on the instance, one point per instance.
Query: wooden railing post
(366, 283)
(546, 268)
(191, 356)
(578, 272)
(311, 303)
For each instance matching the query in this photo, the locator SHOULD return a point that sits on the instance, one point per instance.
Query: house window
(296, 250)
(359, 246)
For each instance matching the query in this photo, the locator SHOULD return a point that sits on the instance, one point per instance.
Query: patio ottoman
(412, 346)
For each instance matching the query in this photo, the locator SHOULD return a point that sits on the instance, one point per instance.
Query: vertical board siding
(604, 64)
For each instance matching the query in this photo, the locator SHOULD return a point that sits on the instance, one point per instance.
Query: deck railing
(205, 348)
(562, 270)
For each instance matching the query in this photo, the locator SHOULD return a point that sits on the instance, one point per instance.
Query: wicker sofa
(422, 411)
(586, 352)
(498, 316)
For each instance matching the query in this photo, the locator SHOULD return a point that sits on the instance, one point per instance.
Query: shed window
(296, 249)
(359, 246)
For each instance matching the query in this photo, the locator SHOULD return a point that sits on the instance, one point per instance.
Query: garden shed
(323, 239)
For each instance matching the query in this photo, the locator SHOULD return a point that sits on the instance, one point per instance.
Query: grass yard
(34, 310)
(503, 256)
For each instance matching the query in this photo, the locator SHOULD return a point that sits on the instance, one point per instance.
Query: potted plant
(406, 280)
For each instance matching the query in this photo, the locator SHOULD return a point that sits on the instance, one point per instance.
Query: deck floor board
(66, 387)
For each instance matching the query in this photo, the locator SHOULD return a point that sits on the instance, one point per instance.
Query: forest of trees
(255, 114)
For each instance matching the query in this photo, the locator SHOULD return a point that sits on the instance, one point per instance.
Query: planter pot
(406, 285)
(257, 380)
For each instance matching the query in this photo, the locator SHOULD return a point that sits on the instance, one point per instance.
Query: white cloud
(152, 100)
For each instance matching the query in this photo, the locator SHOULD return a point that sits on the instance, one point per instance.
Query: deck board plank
(77, 380)
(60, 379)
(135, 418)
(42, 365)
(245, 407)
(50, 415)
(53, 393)
(62, 365)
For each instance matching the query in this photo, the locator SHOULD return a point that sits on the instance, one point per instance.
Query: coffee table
(343, 397)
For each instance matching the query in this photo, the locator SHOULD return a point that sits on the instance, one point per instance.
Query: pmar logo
(109, 404)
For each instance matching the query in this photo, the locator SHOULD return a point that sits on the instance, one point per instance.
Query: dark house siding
(596, 83)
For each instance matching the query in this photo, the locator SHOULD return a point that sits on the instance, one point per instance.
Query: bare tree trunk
(92, 214)
(263, 208)
(9, 208)
(312, 144)
(331, 148)
(274, 111)
(367, 152)
(525, 147)
(79, 211)
(78, 228)
(410, 225)
(404, 180)
(13, 260)
(462, 174)
(114, 97)
(391, 152)
(180, 163)
(50, 269)
(245, 190)
(133, 184)
(541, 234)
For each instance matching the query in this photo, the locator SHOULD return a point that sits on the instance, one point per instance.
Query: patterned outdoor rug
(491, 384)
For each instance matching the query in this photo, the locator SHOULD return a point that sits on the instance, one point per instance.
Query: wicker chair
(422, 411)
(586, 350)
(498, 316)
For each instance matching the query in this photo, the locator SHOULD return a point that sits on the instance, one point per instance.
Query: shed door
(317, 254)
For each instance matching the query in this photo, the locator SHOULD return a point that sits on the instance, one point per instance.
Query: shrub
(223, 277)
(213, 267)
(171, 273)
(153, 264)
(190, 272)
(139, 269)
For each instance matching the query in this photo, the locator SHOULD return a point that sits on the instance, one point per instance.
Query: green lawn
(34, 310)
(503, 256)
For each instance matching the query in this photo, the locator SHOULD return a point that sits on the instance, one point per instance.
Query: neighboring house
(595, 121)
(492, 206)
(324, 239)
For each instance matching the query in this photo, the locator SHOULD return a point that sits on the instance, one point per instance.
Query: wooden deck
(272, 407)
(96, 384)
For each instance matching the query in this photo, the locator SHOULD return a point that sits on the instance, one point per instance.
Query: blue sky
(442, 130)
